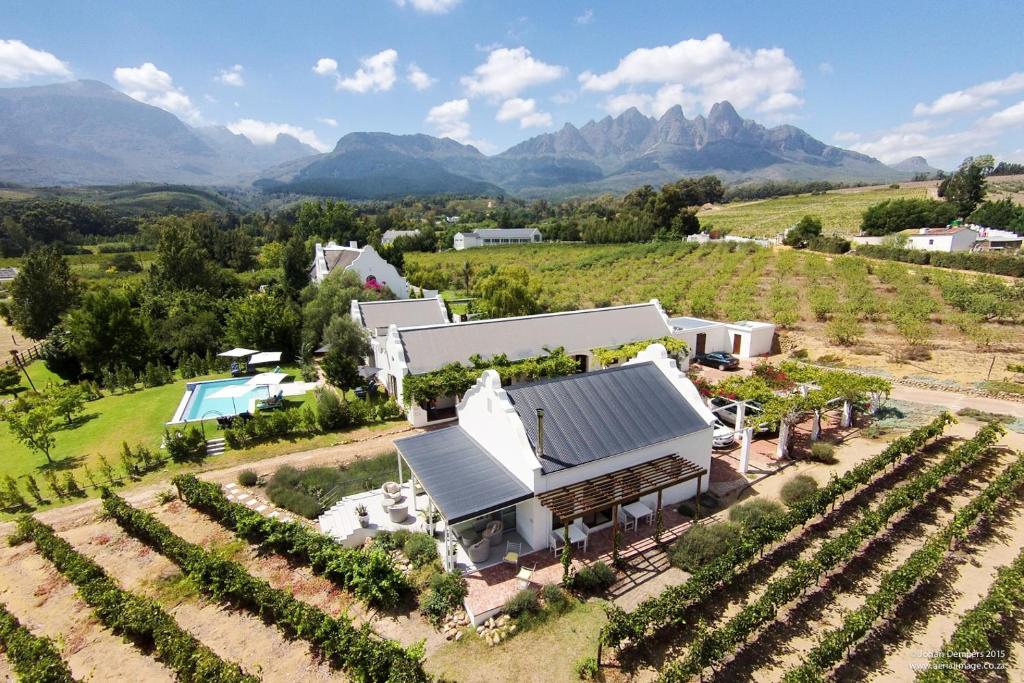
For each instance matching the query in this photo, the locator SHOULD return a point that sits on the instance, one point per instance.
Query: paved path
(954, 401)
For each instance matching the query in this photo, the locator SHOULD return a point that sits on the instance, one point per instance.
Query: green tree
(33, 489)
(966, 187)
(33, 426)
(332, 296)
(67, 400)
(506, 293)
(349, 348)
(294, 262)
(264, 321)
(106, 331)
(894, 215)
(41, 293)
(800, 235)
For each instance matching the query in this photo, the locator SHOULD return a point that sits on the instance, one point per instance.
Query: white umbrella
(236, 353)
(265, 358)
(266, 378)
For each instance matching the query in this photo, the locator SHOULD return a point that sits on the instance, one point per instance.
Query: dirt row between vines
(801, 543)
(797, 628)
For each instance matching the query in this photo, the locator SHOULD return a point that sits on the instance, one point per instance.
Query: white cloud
(449, 119)
(981, 96)
(565, 97)
(429, 6)
(266, 132)
(231, 76)
(1011, 117)
(585, 18)
(419, 78)
(845, 136)
(619, 103)
(826, 68)
(327, 120)
(325, 66)
(666, 97)
(376, 72)
(524, 111)
(147, 83)
(509, 71)
(780, 101)
(894, 147)
(19, 62)
(706, 71)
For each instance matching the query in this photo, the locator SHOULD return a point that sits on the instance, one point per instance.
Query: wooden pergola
(622, 486)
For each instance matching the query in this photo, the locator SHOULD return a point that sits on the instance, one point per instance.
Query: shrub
(304, 492)
(703, 543)
(247, 478)
(594, 578)
(556, 600)
(166, 496)
(420, 549)
(756, 513)
(822, 452)
(392, 540)
(361, 412)
(586, 668)
(185, 445)
(446, 593)
(388, 410)
(799, 488)
(330, 412)
(522, 603)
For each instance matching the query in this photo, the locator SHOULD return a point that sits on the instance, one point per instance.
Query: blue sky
(940, 79)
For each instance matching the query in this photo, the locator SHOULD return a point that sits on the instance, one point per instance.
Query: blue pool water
(201, 406)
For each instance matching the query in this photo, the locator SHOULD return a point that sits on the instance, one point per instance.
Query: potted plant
(363, 515)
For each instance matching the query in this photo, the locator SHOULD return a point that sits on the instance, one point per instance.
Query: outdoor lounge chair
(479, 551)
(493, 532)
(512, 552)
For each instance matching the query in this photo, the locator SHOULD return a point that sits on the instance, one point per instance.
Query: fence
(26, 356)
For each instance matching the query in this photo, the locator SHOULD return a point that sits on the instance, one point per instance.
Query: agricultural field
(95, 266)
(839, 210)
(897, 319)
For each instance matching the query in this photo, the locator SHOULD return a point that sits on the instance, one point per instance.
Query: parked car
(723, 435)
(727, 414)
(718, 359)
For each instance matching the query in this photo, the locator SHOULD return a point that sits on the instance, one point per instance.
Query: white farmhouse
(423, 349)
(743, 339)
(494, 237)
(365, 262)
(586, 450)
(948, 239)
(377, 317)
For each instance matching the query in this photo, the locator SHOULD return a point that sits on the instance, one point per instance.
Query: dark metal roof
(462, 479)
(402, 312)
(599, 414)
(430, 348)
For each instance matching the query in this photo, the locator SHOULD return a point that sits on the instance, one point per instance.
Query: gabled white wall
(487, 415)
(369, 262)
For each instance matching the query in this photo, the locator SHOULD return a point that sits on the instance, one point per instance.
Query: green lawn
(138, 418)
(839, 211)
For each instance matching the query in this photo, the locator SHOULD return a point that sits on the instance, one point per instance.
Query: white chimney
(353, 244)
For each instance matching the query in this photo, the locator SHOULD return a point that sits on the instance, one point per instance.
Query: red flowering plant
(774, 377)
(371, 283)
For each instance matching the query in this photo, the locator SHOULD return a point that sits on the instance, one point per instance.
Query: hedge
(362, 654)
(672, 604)
(33, 658)
(138, 619)
(710, 645)
(997, 264)
(370, 574)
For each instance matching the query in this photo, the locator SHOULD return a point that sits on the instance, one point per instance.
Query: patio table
(576, 536)
(639, 511)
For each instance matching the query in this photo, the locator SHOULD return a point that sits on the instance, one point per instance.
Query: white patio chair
(628, 521)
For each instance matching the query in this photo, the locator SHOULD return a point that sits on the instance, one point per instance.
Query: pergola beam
(582, 498)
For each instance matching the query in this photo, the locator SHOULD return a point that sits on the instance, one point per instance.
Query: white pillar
(741, 414)
(747, 437)
(412, 491)
(847, 414)
(783, 448)
(401, 475)
(816, 426)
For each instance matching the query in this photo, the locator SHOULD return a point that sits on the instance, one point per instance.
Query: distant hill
(915, 165)
(87, 133)
(614, 154)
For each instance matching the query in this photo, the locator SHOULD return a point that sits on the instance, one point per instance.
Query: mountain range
(87, 133)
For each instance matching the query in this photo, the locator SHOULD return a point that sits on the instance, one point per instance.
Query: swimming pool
(198, 404)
